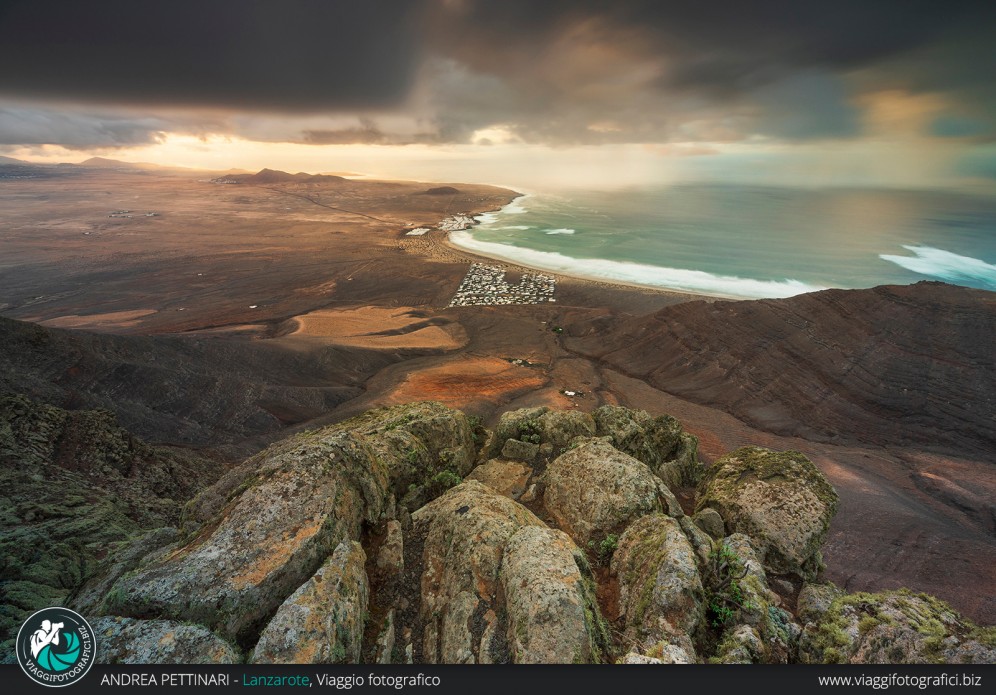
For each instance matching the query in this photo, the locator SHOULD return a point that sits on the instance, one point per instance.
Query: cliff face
(411, 534)
(895, 365)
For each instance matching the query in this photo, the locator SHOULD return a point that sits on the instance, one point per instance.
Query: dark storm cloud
(552, 71)
(286, 56)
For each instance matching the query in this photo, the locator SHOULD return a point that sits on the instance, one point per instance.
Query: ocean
(747, 241)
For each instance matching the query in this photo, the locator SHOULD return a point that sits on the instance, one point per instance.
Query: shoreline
(451, 246)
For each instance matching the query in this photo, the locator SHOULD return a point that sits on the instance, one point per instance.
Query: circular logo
(55, 647)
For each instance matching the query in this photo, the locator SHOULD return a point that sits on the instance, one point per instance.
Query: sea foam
(636, 273)
(939, 263)
(558, 231)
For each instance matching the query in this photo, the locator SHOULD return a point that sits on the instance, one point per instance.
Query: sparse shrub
(725, 596)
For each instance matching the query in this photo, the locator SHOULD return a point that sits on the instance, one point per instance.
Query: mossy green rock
(660, 590)
(130, 641)
(895, 627)
(75, 488)
(322, 622)
(779, 499)
(462, 536)
(658, 442)
(552, 613)
(308, 494)
(540, 426)
(595, 490)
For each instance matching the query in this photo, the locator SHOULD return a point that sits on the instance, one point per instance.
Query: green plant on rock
(603, 551)
(725, 595)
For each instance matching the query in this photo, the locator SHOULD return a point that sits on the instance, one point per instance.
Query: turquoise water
(748, 241)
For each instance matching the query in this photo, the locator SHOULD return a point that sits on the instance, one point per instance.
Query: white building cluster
(485, 285)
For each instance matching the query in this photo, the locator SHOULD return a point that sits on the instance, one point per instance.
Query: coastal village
(485, 285)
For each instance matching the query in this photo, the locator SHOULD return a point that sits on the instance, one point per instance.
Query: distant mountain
(10, 161)
(892, 365)
(104, 163)
(264, 176)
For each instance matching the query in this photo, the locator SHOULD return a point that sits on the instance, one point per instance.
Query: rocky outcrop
(76, 489)
(779, 499)
(426, 447)
(894, 627)
(594, 491)
(463, 535)
(508, 478)
(552, 613)
(537, 426)
(658, 442)
(322, 622)
(661, 598)
(307, 553)
(307, 495)
(130, 641)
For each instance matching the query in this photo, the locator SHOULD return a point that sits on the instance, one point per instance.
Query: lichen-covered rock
(595, 490)
(660, 654)
(553, 616)
(505, 477)
(658, 442)
(779, 499)
(815, 599)
(740, 645)
(463, 535)
(684, 468)
(88, 599)
(895, 627)
(517, 450)
(710, 521)
(551, 430)
(309, 493)
(390, 560)
(322, 622)
(755, 606)
(130, 641)
(426, 447)
(660, 590)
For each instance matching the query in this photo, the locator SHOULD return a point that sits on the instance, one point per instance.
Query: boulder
(594, 490)
(659, 655)
(309, 493)
(551, 430)
(130, 641)
(517, 450)
(658, 442)
(322, 622)
(427, 447)
(815, 599)
(505, 477)
(552, 613)
(462, 535)
(660, 591)
(710, 521)
(895, 627)
(779, 499)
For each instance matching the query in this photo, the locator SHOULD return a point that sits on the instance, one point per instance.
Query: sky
(582, 92)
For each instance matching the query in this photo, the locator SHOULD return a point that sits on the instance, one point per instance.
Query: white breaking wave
(939, 263)
(636, 273)
(516, 226)
(516, 207)
(558, 231)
